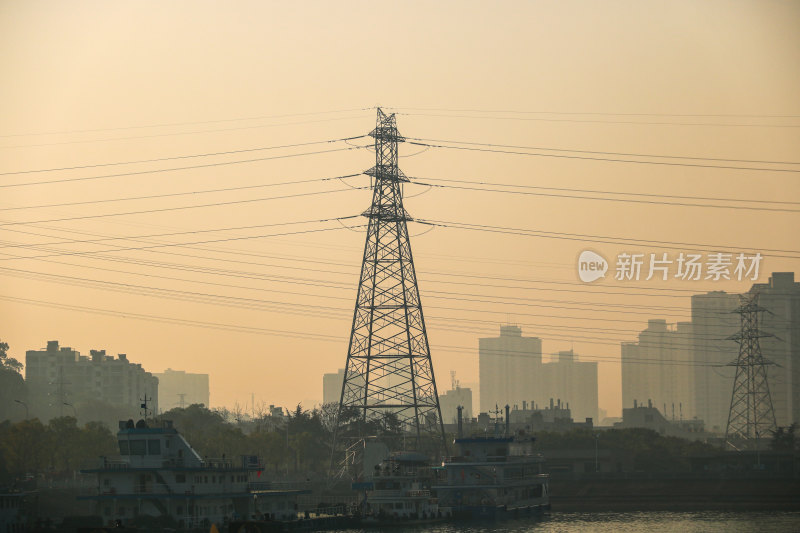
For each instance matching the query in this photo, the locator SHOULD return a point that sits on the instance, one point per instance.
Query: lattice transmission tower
(389, 380)
(751, 414)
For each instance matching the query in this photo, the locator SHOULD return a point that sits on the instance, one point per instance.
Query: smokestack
(524, 405)
(551, 403)
(460, 421)
(507, 422)
(634, 404)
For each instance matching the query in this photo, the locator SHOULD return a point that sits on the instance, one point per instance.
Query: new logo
(591, 266)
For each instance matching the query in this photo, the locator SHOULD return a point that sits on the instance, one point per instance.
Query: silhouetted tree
(25, 448)
(8, 362)
(783, 438)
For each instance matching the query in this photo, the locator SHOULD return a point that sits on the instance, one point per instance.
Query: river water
(628, 522)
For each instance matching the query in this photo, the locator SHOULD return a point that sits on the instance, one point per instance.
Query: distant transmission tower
(389, 377)
(751, 415)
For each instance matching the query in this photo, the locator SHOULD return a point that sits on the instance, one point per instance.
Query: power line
(188, 156)
(448, 295)
(169, 124)
(597, 198)
(317, 294)
(245, 329)
(175, 169)
(227, 239)
(179, 208)
(583, 288)
(140, 238)
(172, 320)
(540, 112)
(605, 159)
(595, 121)
(174, 134)
(188, 193)
(595, 191)
(284, 307)
(660, 156)
(592, 238)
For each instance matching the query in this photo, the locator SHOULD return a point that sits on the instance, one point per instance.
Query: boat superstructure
(491, 475)
(401, 489)
(158, 474)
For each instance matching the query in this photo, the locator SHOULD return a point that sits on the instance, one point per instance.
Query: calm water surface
(681, 522)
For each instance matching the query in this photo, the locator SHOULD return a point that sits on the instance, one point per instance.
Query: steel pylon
(751, 415)
(389, 380)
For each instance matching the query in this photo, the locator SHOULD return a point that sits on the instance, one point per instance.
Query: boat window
(123, 447)
(180, 478)
(138, 447)
(154, 447)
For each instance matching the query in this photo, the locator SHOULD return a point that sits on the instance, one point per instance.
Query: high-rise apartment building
(177, 388)
(332, 386)
(59, 379)
(574, 382)
(713, 323)
(780, 297)
(658, 368)
(509, 368)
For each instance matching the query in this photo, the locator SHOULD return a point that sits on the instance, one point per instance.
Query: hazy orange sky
(93, 83)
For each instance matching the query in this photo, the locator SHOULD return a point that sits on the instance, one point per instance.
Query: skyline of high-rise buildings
(683, 368)
(512, 372)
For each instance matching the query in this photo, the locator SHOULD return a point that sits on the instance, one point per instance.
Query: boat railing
(403, 472)
(138, 488)
(115, 464)
(217, 463)
(387, 492)
(278, 485)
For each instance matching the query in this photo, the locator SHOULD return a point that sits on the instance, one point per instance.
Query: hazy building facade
(332, 386)
(780, 296)
(60, 375)
(509, 368)
(177, 388)
(574, 383)
(658, 369)
(450, 400)
(713, 322)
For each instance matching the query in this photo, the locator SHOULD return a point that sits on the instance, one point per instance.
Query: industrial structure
(388, 377)
(751, 415)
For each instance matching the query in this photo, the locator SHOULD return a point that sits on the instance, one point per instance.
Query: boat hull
(499, 512)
